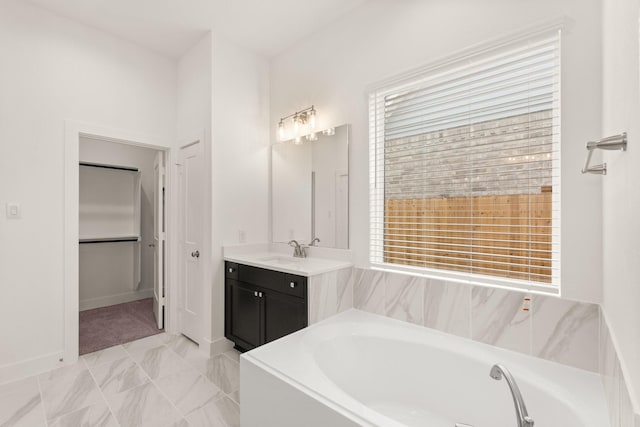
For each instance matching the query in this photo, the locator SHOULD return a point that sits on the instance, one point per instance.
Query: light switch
(13, 210)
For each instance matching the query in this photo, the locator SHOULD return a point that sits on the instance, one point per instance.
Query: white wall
(194, 92)
(223, 96)
(333, 68)
(108, 271)
(240, 168)
(51, 70)
(621, 197)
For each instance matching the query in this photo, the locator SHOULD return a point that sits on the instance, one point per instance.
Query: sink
(281, 260)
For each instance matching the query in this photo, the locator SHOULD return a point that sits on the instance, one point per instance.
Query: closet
(117, 255)
(109, 218)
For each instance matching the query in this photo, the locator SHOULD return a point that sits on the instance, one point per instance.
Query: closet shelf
(105, 166)
(113, 239)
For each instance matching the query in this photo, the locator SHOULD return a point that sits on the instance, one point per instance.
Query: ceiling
(171, 27)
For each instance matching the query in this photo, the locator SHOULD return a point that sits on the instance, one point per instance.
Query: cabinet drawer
(231, 270)
(289, 284)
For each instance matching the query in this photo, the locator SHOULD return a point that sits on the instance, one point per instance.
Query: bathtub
(360, 369)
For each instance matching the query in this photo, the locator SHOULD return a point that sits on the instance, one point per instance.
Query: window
(465, 167)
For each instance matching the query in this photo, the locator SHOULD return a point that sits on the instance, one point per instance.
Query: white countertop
(310, 266)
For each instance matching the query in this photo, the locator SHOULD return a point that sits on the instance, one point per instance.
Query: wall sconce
(303, 126)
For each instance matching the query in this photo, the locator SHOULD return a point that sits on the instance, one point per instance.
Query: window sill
(471, 279)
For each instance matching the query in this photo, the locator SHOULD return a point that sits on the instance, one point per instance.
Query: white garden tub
(361, 369)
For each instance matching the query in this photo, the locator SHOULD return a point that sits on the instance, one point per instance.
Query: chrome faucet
(499, 371)
(314, 241)
(298, 251)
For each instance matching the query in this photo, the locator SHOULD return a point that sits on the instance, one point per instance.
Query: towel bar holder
(616, 142)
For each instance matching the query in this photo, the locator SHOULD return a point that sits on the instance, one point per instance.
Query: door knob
(195, 254)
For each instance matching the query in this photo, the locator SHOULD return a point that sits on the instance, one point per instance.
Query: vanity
(268, 292)
(267, 295)
(262, 305)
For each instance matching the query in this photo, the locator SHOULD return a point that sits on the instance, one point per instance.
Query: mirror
(310, 189)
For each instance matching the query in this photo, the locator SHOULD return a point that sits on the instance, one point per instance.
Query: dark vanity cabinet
(262, 305)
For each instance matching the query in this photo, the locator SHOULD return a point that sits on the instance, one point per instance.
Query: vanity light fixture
(303, 126)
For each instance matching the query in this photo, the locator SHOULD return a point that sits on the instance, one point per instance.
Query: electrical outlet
(241, 236)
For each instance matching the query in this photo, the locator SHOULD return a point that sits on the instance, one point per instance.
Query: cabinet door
(283, 315)
(244, 315)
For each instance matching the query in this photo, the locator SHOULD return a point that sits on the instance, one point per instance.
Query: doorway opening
(122, 254)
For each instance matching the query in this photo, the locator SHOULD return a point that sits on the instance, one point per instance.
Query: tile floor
(157, 381)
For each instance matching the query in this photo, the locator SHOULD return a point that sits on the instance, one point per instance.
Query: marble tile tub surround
(329, 293)
(621, 411)
(157, 381)
(547, 327)
(564, 331)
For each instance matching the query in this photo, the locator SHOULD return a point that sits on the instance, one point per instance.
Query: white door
(192, 202)
(158, 240)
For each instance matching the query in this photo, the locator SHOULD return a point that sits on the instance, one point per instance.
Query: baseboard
(27, 368)
(211, 348)
(88, 304)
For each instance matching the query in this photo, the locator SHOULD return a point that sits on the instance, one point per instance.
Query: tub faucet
(499, 371)
(298, 251)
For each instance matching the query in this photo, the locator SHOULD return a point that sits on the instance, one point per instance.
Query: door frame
(73, 132)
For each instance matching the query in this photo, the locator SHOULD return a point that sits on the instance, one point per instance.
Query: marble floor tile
(20, 404)
(188, 390)
(626, 407)
(159, 361)
(223, 372)
(109, 389)
(143, 406)
(180, 423)
(73, 369)
(97, 415)
(233, 354)
(107, 355)
(181, 345)
(119, 375)
(143, 344)
(27, 385)
(222, 413)
(69, 393)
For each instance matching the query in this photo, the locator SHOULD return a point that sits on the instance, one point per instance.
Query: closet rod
(110, 240)
(100, 165)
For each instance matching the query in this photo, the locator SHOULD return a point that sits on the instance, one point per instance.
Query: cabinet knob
(230, 269)
(255, 293)
(260, 294)
(292, 284)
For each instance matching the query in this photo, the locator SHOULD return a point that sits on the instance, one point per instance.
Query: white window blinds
(465, 167)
